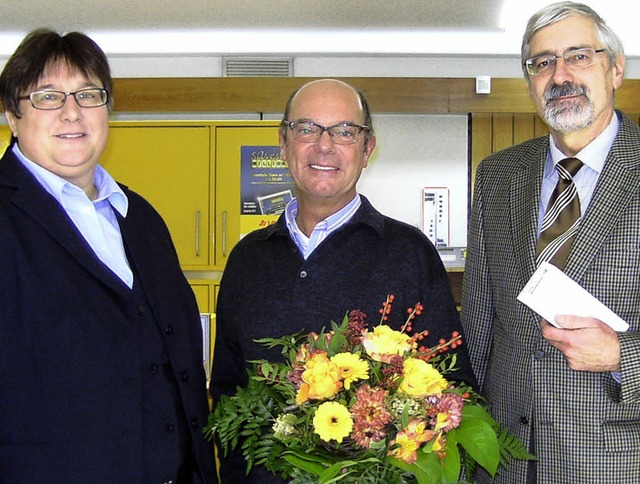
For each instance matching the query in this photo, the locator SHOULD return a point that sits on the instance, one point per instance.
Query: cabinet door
(202, 291)
(169, 166)
(229, 141)
(206, 292)
(5, 138)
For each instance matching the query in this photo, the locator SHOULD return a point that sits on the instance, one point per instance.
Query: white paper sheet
(550, 292)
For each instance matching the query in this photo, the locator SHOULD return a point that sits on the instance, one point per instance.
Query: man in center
(329, 253)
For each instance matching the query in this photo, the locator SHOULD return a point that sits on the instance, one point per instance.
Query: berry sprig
(386, 308)
(443, 346)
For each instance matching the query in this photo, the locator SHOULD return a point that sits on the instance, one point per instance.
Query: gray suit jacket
(586, 425)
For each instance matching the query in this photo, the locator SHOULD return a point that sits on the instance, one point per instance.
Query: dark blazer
(71, 371)
(587, 426)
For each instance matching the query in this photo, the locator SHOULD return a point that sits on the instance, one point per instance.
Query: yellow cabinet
(229, 139)
(206, 291)
(169, 165)
(5, 138)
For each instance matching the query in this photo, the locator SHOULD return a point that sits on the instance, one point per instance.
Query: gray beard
(569, 118)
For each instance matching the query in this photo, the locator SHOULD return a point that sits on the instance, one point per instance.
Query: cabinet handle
(224, 233)
(197, 233)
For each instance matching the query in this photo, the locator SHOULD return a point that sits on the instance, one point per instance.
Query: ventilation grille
(245, 67)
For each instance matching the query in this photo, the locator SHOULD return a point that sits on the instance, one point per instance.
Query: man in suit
(572, 394)
(100, 339)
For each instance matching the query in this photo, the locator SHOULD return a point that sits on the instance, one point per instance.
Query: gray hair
(555, 12)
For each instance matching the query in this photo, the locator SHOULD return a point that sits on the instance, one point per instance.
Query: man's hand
(588, 344)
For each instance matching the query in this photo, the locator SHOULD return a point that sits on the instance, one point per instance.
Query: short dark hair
(42, 48)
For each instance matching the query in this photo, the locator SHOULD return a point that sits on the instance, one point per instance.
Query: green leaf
(477, 412)
(451, 461)
(338, 469)
(337, 343)
(307, 463)
(426, 469)
(479, 439)
(511, 447)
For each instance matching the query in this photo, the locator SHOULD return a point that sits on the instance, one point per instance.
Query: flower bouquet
(360, 405)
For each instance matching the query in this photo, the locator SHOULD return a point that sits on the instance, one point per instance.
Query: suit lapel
(35, 202)
(525, 202)
(141, 260)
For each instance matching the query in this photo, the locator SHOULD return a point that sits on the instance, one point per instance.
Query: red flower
(370, 416)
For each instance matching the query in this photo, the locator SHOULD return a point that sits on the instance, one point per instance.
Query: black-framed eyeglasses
(341, 133)
(91, 97)
(574, 58)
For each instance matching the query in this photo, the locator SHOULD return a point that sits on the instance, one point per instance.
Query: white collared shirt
(322, 230)
(95, 220)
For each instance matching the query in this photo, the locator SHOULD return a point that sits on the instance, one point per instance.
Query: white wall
(414, 152)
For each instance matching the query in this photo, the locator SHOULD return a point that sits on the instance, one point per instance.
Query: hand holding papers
(550, 292)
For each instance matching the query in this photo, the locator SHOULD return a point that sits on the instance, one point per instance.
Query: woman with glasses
(100, 338)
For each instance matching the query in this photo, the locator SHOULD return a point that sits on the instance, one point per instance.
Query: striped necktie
(562, 217)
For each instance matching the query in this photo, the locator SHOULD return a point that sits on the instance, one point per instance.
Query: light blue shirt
(95, 220)
(322, 230)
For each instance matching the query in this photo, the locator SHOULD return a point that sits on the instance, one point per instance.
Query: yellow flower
(385, 342)
(321, 379)
(417, 428)
(409, 440)
(405, 447)
(352, 368)
(332, 421)
(440, 444)
(421, 379)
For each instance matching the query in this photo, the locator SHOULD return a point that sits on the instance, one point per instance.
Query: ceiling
(286, 26)
(240, 14)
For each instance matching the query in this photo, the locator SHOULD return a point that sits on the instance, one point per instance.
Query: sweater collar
(366, 215)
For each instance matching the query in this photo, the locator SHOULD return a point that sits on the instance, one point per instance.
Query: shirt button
(142, 310)
(170, 427)
(538, 355)
(524, 420)
(303, 274)
(168, 330)
(153, 368)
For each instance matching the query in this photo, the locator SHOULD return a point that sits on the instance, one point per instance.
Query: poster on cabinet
(266, 186)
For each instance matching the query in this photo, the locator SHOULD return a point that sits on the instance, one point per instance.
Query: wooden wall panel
(411, 95)
(507, 96)
(523, 127)
(502, 132)
(628, 96)
(481, 141)
(269, 94)
(540, 127)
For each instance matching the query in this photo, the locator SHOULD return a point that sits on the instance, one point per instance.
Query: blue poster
(265, 184)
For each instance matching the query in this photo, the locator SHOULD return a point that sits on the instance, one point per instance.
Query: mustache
(565, 89)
